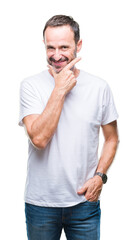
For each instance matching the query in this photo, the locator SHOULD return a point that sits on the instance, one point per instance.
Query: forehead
(59, 34)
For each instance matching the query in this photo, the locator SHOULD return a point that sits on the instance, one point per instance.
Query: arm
(109, 148)
(40, 128)
(94, 185)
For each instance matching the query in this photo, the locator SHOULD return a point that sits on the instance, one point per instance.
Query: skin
(61, 52)
(61, 47)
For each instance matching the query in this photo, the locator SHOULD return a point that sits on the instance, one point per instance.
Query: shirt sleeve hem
(20, 123)
(110, 120)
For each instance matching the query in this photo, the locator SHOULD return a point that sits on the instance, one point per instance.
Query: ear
(79, 45)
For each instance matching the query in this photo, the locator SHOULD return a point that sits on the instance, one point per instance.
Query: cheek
(70, 54)
(49, 54)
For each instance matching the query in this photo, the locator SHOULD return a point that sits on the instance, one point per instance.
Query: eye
(64, 47)
(50, 47)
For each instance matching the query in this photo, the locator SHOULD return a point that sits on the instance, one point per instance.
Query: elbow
(113, 141)
(39, 143)
(116, 143)
(117, 140)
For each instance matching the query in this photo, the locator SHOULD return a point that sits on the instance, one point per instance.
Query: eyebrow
(64, 45)
(49, 46)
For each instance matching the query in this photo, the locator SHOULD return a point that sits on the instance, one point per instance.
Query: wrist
(102, 176)
(59, 92)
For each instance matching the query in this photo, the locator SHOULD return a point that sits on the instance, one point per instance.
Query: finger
(72, 63)
(51, 69)
(82, 190)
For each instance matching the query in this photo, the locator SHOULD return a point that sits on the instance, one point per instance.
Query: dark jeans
(80, 222)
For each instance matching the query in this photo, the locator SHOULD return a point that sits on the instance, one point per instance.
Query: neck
(76, 72)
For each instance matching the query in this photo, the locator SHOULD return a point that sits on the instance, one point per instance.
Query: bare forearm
(107, 156)
(45, 125)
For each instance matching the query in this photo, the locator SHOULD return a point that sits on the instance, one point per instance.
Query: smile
(58, 63)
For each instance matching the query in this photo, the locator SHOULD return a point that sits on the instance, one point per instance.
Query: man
(62, 109)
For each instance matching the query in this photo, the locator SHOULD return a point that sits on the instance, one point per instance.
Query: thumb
(82, 190)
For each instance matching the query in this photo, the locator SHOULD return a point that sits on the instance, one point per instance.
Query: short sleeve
(109, 112)
(30, 102)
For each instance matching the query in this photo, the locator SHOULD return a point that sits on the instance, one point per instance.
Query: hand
(92, 188)
(65, 79)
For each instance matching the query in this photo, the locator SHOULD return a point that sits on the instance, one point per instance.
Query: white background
(109, 30)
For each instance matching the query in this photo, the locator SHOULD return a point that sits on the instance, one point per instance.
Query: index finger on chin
(72, 63)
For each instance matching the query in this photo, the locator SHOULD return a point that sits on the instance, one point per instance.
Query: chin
(57, 70)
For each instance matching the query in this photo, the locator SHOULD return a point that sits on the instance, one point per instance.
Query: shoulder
(93, 80)
(34, 79)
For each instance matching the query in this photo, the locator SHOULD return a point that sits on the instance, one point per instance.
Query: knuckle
(70, 72)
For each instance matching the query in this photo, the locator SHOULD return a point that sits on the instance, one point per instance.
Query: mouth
(59, 63)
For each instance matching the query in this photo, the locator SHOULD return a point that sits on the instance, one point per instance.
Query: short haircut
(62, 20)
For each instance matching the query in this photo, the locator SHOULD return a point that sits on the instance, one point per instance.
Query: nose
(57, 55)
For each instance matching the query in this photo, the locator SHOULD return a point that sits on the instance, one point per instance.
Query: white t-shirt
(56, 173)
